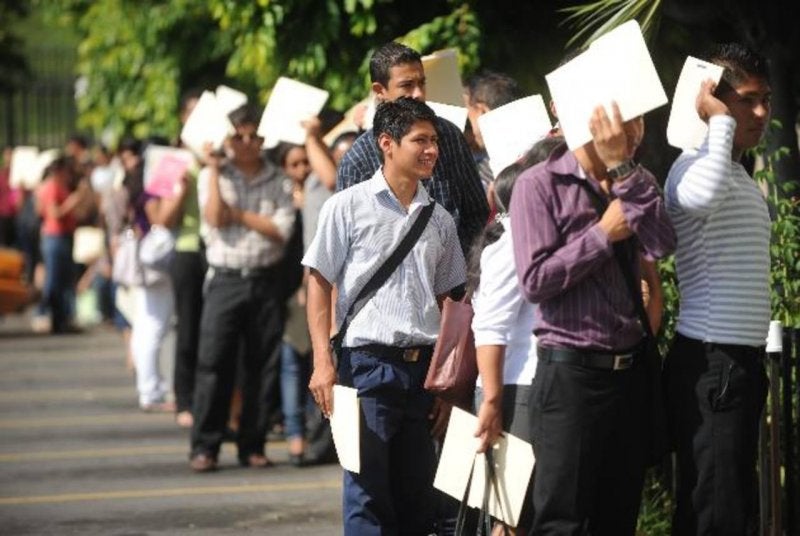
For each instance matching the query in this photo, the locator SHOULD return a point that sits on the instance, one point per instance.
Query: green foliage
(592, 20)
(14, 69)
(655, 512)
(785, 246)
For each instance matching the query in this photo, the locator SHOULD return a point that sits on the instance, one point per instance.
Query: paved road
(78, 457)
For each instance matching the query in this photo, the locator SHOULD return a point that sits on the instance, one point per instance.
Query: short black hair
(81, 140)
(188, 96)
(348, 136)
(386, 57)
(281, 151)
(740, 63)
(246, 114)
(396, 117)
(133, 145)
(492, 89)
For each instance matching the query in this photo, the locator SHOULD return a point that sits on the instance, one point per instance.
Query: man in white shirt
(387, 346)
(715, 378)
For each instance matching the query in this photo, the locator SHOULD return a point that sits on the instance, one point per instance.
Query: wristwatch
(621, 170)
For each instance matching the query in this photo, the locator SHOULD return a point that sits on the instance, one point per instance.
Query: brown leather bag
(454, 368)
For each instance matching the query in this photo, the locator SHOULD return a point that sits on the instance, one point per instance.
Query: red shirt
(53, 193)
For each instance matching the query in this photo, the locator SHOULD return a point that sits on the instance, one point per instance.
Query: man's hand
(321, 385)
(613, 222)
(490, 424)
(708, 104)
(440, 415)
(615, 140)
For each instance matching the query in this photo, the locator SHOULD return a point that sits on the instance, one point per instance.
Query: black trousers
(586, 428)
(188, 273)
(245, 310)
(715, 396)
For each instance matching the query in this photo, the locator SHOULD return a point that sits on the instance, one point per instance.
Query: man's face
(405, 80)
(749, 104)
(246, 144)
(416, 154)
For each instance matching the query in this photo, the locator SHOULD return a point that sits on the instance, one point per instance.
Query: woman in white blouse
(503, 321)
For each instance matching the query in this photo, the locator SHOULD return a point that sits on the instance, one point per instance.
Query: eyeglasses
(247, 138)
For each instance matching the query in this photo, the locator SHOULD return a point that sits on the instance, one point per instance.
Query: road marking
(82, 420)
(119, 452)
(170, 492)
(78, 393)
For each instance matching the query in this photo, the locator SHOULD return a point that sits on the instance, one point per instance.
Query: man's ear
(385, 143)
(379, 90)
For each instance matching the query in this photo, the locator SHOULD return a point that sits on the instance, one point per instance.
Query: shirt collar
(379, 186)
(563, 162)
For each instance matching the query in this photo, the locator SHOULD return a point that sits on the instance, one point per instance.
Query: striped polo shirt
(723, 228)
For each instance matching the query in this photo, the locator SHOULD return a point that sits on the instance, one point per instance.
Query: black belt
(410, 355)
(245, 273)
(587, 358)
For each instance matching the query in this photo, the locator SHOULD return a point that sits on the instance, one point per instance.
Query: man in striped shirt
(588, 395)
(388, 344)
(396, 71)
(716, 384)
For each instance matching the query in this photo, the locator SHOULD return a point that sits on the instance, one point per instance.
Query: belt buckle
(411, 355)
(622, 361)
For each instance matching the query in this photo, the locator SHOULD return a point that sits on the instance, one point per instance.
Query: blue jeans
(294, 390)
(393, 493)
(58, 294)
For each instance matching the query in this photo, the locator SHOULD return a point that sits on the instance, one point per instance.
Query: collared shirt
(723, 227)
(502, 315)
(565, 262)
(455, 183)
(315, 195)
(236, 246)
(358, 229)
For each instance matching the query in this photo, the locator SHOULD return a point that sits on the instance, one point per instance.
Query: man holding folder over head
(386, 344)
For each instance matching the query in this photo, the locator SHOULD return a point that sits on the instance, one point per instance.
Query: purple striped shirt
(565, 262)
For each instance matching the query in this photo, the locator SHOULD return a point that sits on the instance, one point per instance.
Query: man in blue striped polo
(715, 378)
(388, 344)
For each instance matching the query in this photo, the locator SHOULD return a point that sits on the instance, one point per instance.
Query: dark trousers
(393, 494)
(188, 273)
(715, 396)
(235, 310)
(59, 280)
(587, 431)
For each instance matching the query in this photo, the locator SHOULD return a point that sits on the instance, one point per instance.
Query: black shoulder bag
(624, 252)
(382, 274)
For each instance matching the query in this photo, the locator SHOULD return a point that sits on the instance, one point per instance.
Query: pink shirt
(53, 193)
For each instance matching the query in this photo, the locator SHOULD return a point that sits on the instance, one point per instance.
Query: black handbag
(484, 527)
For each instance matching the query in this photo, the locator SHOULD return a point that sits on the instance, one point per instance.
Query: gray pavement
(78, 457)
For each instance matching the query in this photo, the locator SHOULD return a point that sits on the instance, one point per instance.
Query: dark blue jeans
(58, 294)
(393, 494)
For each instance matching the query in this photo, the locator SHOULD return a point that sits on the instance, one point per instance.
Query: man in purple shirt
(588, 396)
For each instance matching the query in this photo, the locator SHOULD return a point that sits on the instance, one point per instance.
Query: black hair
(396, 117)
(740, 63)
(503, 187)
(188, 96)
(281, 151)
(246, 114)
(130, 144)
(349, 136)
(81, 140)
(492, 89)
(388, 56)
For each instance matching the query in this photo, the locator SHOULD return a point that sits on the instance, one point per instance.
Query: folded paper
(345, 427)
(510, 130)
(164, 168)
(290, 103)
(617, 67)
(442, 77)
(207, 124)
(685, 129)
(513, 459)
(455, 114)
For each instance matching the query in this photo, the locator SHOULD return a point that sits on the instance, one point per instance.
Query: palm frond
(593, 19)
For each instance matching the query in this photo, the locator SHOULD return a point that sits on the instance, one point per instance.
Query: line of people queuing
(559, 337)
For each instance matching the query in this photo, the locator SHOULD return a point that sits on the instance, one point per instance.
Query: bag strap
(622, 253)
(386, 269)
(484, 527)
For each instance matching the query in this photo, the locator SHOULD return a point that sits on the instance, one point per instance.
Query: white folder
(290, 103)
(685, 129)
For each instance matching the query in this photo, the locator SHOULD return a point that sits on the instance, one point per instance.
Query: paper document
(208, 123)
(455, 114)
(164, 168)
(442, 77)
(348, 123)
(510, 130)
(229, 99)
(685, 129)
(346, 428)
(513, 459)
(28, 165)
(290, 103)
(616, 67)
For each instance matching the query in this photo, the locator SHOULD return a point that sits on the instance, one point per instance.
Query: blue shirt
(455, 183)
(358, 229)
